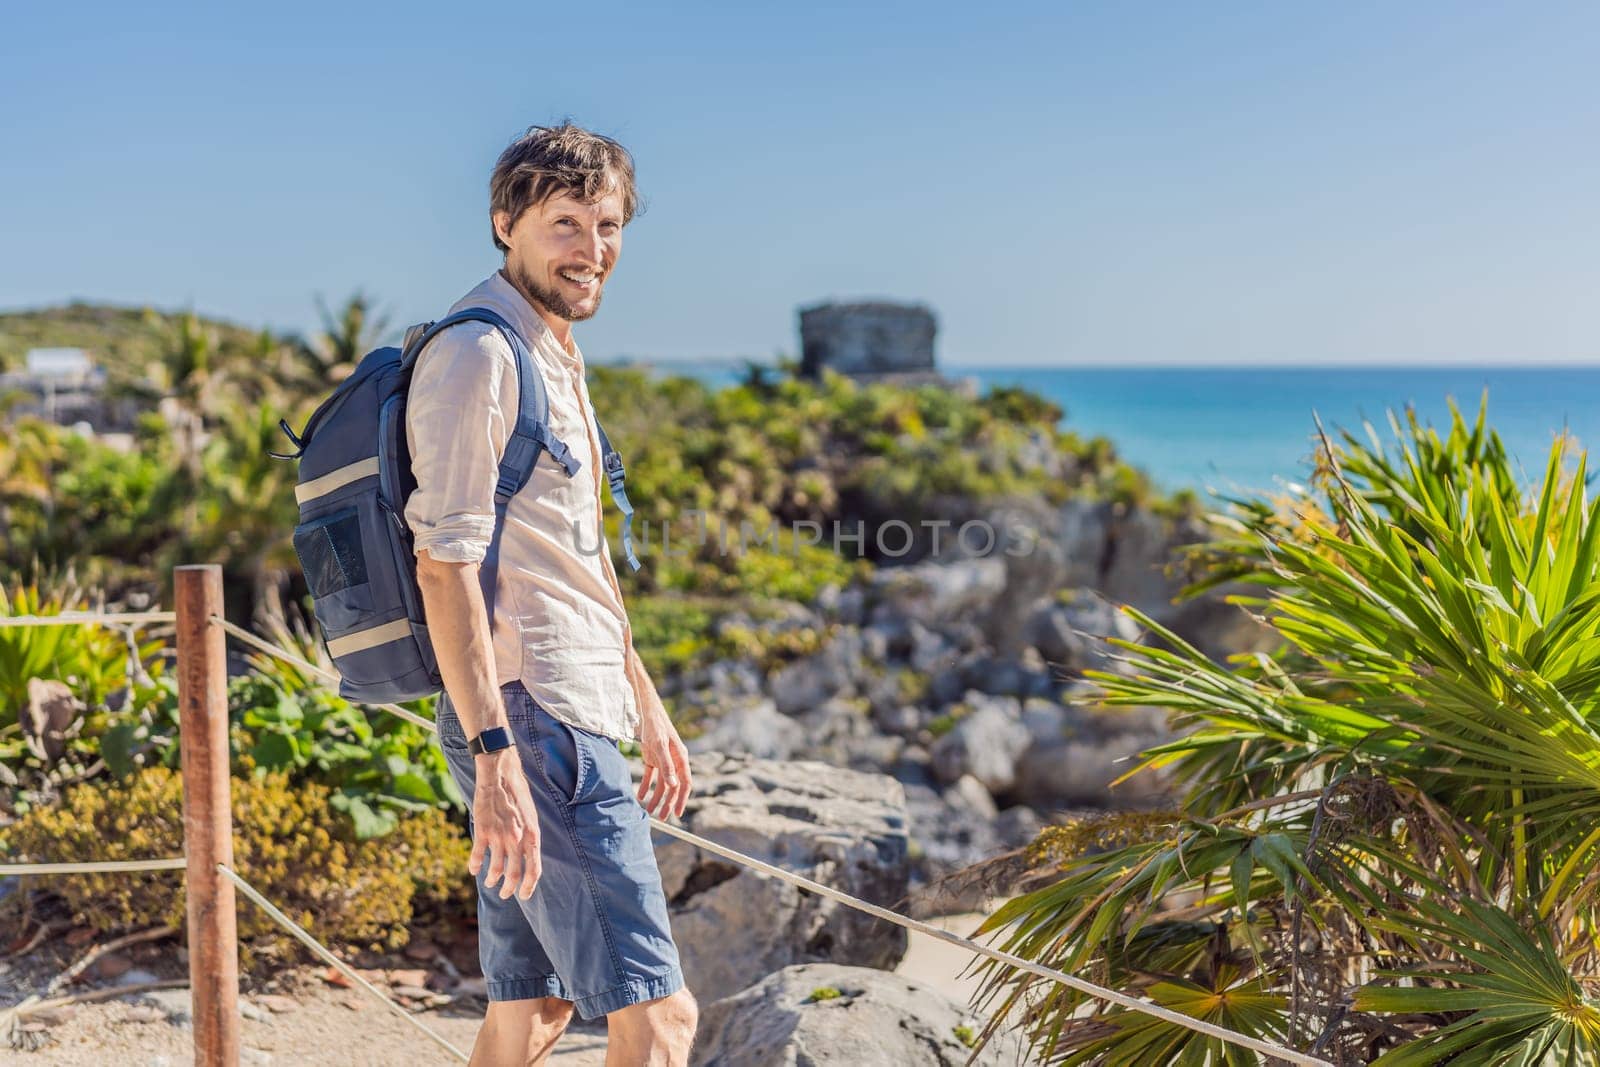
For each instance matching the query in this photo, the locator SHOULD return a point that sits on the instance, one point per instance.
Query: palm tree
(346, 336)
(1386, 847)
(187, 383)
(30, 452)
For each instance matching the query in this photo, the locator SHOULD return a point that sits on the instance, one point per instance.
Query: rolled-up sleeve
(459, 415)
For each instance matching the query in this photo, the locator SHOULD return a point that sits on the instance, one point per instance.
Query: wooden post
(207, 816)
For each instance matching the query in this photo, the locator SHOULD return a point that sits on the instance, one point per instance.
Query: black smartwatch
(491, 740)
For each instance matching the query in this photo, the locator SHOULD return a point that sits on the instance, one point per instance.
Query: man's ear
(502, 225)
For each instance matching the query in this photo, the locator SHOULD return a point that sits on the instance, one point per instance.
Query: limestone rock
(844, 605)
(1026, 675)
(823, 1014)
(1068, 632)
(50, 711)
(950, 834)
(842, 732)
(836, 669)
(842, 828)
(752, 728)
(984, 743)
(932, 593)
(1075, 752)
(803, 685)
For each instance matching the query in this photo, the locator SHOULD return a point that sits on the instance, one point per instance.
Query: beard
(550, 299)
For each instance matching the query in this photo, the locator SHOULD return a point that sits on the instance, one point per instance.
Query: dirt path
(313, 1023)
(325, 1026)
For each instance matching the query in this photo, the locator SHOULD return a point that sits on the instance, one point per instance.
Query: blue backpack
(352, 539)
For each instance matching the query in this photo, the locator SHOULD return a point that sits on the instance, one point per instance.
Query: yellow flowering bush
(288, 843)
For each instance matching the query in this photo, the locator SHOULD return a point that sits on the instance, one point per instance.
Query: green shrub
(943, 724)
(289, 843)
(912, 686)
(672, 633)
(378, 766)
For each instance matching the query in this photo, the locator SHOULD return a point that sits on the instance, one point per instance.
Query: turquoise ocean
(1239, 429)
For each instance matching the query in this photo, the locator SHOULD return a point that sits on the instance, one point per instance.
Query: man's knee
(535, 1022)
(553, 1011)
(682, 1012)
(668, 1021)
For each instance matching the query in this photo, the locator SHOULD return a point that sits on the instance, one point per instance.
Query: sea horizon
(1247, 428)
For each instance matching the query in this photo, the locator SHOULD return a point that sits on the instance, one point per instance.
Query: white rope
(78, 618)
(176, 863)
(1131, 1003)
(339, 965)
(329, 676)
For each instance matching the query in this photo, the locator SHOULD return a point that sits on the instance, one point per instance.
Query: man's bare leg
(656, 1033)
(520, 1032)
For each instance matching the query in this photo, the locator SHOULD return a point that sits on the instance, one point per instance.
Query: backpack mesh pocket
(330, 553)
(334, 560)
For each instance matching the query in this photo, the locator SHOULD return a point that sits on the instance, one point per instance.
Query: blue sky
(1063, 183)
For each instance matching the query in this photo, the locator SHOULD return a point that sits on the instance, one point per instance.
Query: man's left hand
(666, 781)
(664, 788)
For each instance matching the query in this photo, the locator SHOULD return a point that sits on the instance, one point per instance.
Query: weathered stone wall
(866, 338)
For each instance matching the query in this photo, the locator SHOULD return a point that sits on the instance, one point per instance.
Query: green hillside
(119, 338)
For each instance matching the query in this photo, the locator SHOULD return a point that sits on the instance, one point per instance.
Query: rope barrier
(1100, 992)
(77, 618)
(306, 665)
(176, 863)
(339, 965)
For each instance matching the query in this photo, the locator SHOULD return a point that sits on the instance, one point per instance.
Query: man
(571, 911)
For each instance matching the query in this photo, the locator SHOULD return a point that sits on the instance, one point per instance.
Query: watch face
(491, 740)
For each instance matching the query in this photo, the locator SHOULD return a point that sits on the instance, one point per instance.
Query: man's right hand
(506, 823)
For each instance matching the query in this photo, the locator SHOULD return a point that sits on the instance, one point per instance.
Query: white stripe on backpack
(362, 640)
(334, 479)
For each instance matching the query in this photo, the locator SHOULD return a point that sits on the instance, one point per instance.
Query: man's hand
(506, 823)
(666, 765)
(666, 761)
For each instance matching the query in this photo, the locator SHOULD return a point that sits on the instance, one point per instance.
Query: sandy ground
(320, 1024)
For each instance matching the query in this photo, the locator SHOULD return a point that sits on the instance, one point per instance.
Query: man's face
(562, 252)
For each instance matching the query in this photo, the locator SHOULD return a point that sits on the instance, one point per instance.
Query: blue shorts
(595, 931)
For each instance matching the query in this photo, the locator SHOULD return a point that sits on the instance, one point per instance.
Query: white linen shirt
(559, 621)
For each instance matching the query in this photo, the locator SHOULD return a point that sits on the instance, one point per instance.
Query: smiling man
(541, 678)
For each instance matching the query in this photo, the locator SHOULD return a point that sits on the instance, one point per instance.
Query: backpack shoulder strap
(612, 463)
(531, 433)
(529, 436)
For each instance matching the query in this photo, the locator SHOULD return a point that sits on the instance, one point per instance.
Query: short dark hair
(547, 161)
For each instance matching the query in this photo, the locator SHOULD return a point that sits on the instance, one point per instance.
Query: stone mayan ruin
(873, 341)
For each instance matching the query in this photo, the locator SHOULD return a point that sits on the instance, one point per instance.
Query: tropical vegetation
(1388, 842)
(725, 480)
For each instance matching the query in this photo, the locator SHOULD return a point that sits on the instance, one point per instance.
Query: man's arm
(458, 624)
(457, 427)
(505, 821)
